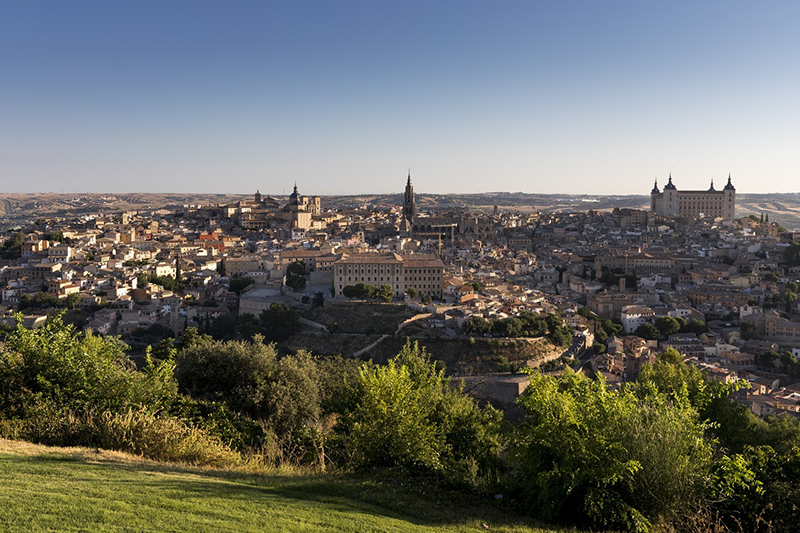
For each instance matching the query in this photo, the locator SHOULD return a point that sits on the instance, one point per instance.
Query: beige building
(401, 272)
(694, 204)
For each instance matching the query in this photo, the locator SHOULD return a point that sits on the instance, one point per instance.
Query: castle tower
(670, 198)
(729, 202)
(654, 194)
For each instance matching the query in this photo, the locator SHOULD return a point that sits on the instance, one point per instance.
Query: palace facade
(709, 204)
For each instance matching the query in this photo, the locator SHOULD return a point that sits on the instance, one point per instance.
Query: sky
(343, 97)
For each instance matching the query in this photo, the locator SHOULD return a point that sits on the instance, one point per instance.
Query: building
(409, 210)
(401, 272)
(694, 204)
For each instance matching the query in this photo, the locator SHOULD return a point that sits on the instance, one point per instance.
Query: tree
(239, 284)
(279, 322)
(476, 286)
(54, 367)
(409, 415)
(349, 291)
(477, 325)
(12, 247)
(295, 275)
(698, 327)
(667, 325)
(413, 292)
(791, 255)
(749, 330)
(319, 300)
(385, 293)
(647, 331)
(73, 300)
(236, 372)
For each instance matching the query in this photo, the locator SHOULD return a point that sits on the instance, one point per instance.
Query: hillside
(77, 489)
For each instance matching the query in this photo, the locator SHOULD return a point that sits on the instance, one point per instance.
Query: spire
(712, 185)
(655, 187)
(669, 184)
(729, 186)
(409, 176)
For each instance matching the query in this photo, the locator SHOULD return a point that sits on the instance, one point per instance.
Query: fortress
(694, 204)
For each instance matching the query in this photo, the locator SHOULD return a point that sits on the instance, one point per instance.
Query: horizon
(557, 98)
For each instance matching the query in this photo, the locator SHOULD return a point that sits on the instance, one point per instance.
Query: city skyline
(342, 98)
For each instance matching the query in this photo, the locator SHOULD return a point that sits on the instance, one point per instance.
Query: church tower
(409, 208)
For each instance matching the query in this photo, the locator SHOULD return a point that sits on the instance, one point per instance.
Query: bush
(409, 416)
(620, 461)
(54, 363)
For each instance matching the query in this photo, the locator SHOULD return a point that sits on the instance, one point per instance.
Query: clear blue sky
(343, 96)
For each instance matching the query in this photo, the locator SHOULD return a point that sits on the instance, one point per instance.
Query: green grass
(72, 489)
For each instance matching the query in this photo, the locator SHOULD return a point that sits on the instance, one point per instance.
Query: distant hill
(782, 207)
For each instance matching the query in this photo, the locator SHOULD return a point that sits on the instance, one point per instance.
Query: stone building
(694, 204)
(421, 271)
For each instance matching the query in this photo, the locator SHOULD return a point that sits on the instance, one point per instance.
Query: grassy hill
(77, 489)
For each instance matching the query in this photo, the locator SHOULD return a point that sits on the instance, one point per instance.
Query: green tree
(791, 255)
(349, 291)
(385, 293)
(319, 300)
(239, 284)
(12, 247)
(647, 331)
(749, 330)
(477, 325)
(409, 415)
(279, 322)
(72, 300)
(667, 325)
(413, 292)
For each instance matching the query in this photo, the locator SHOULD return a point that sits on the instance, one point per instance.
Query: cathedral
(708, 204)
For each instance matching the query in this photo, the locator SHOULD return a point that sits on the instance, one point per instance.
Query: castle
(709, 204)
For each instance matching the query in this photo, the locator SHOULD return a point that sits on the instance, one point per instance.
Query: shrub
(619, 461)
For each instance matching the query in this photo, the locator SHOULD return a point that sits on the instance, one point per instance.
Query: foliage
(667, 325)
(40, 300)
(12, 247)
(791, 255)
(53, 363)
(168, 282)
(279, 322)
(408, 415)
(619, 460)
(647, 331)
(319, 300)
(385, 293)
(234, 372)
(749, 330)
(295, 275)
(239, 284)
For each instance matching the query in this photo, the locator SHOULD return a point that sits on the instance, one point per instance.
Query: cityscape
(428, 267)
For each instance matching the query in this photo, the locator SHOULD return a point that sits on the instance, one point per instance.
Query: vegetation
(239, 284)
(670, 451)
(295, 275)
(526, 324)
(78, 489)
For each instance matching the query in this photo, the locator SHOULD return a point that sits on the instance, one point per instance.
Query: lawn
(75, 489)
